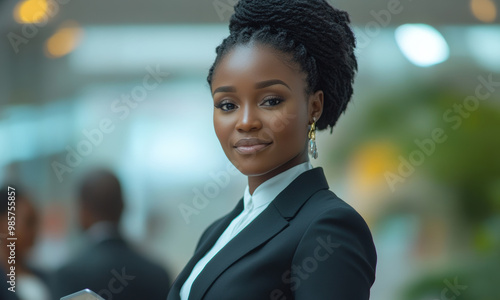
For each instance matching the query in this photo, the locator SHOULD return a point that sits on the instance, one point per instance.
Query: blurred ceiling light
(484, 10)
(31, 11)
(64, 40)
(422, 44)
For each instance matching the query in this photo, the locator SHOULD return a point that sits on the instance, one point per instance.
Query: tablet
(85, 294)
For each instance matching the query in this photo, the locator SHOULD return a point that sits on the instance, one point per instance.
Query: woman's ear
(315, 106)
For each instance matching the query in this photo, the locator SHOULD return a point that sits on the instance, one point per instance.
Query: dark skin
(259, 94)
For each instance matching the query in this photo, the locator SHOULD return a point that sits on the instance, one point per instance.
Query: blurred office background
(121, 84)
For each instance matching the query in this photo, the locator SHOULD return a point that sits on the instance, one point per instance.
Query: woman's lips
(250, 149)
(251, 145)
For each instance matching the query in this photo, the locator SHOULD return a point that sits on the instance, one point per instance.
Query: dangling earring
(313, 151)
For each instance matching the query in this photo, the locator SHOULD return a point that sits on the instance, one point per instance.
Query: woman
(285, 71)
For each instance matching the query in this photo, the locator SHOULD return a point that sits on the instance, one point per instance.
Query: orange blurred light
(65, 40)
(31, 11)
(366, 177)
(370, 163)
(484, 10)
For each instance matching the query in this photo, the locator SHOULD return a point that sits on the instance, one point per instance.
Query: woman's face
(262, 113)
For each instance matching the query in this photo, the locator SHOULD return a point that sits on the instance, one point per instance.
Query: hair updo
(317, 36)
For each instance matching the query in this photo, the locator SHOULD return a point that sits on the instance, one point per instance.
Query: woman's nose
(248, 119)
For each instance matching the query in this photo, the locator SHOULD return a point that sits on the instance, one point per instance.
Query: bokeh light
(64, 40)
(422, 44)
(484, 10)
(31, 11)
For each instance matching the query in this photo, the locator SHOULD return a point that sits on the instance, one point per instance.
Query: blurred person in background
(30, 283)
(109, 265)
(285, 70)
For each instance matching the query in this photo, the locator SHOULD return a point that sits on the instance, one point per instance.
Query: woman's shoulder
(326, 216)
(326, 213)
(326, 204)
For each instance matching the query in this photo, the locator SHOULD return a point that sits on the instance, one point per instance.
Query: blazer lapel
(203, 248)
(295, 195)
(269, 223)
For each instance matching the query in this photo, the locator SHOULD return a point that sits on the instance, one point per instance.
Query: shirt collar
(269, 189)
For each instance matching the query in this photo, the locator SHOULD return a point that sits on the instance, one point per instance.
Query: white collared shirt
(254, 204)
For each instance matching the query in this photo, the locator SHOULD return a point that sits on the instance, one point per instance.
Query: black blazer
(308, 244)
(115, 271)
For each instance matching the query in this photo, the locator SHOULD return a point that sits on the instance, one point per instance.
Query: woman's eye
(225, 106)
(273, 101)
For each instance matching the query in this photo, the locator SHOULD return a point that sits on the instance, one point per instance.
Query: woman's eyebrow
(258, 85)
(264, 84)
(225, 89)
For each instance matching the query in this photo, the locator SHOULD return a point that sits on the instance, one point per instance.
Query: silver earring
(313, 150)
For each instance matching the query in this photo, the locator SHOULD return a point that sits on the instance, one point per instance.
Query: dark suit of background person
(108, 266)
(307, 244)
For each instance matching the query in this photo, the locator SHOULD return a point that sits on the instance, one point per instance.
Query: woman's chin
(255, 170)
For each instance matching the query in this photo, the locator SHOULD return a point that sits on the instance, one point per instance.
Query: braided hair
(316, 35)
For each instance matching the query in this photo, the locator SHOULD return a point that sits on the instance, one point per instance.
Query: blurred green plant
(466, 166)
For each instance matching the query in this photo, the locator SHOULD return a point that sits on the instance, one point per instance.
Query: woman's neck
(257, 180)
